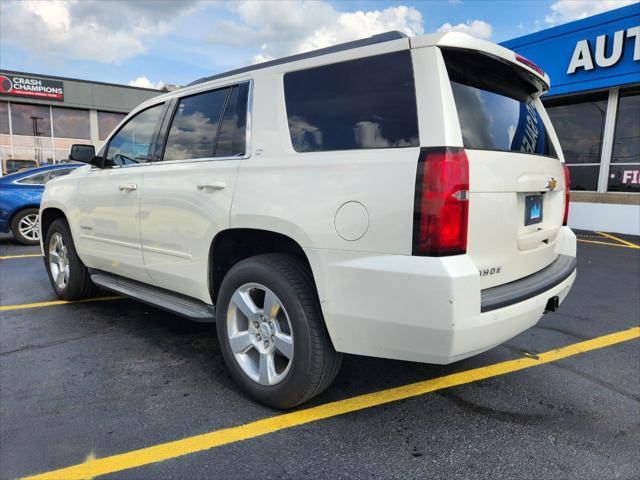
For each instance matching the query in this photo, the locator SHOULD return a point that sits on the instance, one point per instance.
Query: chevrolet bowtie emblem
(551, 184)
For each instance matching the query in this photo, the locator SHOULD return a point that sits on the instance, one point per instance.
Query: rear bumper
(528, 287)
(426, 309)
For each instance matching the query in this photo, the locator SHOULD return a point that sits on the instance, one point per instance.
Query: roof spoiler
(465, 41)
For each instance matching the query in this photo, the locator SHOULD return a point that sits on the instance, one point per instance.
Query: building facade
(42, 116)
(594, 104)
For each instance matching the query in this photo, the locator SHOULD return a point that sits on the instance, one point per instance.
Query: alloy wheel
(28, 227)
(59, 261)
(260, 334)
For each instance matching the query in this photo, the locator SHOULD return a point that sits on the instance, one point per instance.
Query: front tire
(272, 333)
(24, 226)
(69, 277)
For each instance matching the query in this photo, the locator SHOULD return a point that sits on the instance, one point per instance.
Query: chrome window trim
(189, 93)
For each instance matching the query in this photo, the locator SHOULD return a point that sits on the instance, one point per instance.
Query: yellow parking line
(164, 451)
(11, 257)
(607, 243)
(625, 242)
(24, 306)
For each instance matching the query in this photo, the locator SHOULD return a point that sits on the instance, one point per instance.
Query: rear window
(364, 103)
(495, 105)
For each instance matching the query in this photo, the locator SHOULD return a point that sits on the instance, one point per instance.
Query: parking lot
(112, 388)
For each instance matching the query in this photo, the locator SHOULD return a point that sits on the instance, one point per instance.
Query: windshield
(495, 105)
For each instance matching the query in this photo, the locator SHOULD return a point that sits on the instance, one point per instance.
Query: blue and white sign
(597, 52)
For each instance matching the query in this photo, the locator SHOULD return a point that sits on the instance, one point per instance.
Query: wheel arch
(47, 217)
(233, 245)
(18, 210)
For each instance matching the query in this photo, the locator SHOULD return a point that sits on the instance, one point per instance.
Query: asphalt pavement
(86, 381)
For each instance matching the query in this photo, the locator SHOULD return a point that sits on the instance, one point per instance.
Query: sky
(149, 43)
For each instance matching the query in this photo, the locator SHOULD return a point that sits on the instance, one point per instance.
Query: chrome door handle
(128, 187)
(216, 185)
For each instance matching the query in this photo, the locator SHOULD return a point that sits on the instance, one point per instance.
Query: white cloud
(88, 30)
(281, 28)
(144, 82)
(567, 10)
(477, 28)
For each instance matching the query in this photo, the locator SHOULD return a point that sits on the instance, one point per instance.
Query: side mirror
(82, 153)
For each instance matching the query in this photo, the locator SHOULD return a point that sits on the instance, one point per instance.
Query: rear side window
(364, 103)
(210, 124)
(195, 126)
(232, 136)
(42, 178)
(495, 105)
(38, 179)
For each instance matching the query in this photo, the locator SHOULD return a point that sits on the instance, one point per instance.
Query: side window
(195, 126)
(364, 103)
(232, 137)
(57, 173)
(131, 144)
(38, 179)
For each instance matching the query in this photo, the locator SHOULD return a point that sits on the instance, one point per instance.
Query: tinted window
(4, 118)
(32, 120)
(579, 126)
(364, 103)
(624, 173)
(44, 177)
(626, 143)
(107, 122)
(194, 128)
(131, 144)
(584, 177)
(34, 179)
(232, 137)
(494, 105)
(71, 123)
(59, 172)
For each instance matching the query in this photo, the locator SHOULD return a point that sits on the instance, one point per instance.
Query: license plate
(532, 209)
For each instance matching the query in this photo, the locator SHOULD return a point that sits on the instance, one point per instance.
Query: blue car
(20, 195)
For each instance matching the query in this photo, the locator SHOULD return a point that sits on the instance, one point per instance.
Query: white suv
(395, 197)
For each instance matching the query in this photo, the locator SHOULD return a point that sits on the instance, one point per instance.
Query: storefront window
(31, 120)
(107, 121)
(624, 173)
(5, 152)
(41, 155)
(579, 123)
(71, 123)
(61, 155)
(584, 177)
(4, 118)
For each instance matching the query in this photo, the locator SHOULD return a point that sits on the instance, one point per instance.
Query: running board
(172, 302)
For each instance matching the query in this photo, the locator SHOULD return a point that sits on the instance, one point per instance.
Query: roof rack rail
(379, 38)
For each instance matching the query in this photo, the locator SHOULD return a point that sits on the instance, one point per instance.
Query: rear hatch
(516, 180)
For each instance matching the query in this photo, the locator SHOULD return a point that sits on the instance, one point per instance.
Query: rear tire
(293, 325)
(69, 277)
(24, 226)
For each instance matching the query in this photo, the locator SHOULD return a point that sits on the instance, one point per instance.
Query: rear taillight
(529, 64)
(567, 185)
(441, 208)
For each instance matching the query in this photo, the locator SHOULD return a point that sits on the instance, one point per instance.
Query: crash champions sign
(23, 86)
